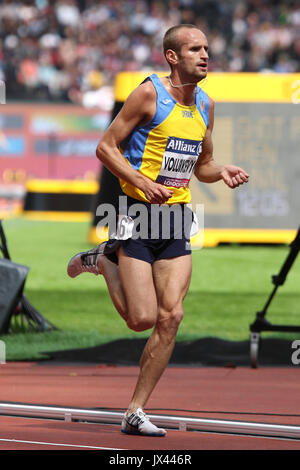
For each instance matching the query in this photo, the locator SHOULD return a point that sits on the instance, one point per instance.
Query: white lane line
(18, 441)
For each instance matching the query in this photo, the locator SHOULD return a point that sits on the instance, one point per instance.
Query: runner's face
(193, 57)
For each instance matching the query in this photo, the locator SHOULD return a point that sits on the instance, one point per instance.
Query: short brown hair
(171, 40)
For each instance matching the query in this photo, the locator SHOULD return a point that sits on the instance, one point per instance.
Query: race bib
(195, 226)
(125, 227)
(178, 162)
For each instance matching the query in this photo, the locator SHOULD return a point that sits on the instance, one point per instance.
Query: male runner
(163, 118)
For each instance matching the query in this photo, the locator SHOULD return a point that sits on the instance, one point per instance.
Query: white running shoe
(86, 261)
(139, 424)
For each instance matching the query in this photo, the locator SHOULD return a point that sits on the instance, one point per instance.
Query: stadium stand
(62, 49)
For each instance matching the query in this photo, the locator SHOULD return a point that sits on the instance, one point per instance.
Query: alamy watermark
(2, 92)
(296, 92)
(295, 358)
(154, 221)
(2, 352)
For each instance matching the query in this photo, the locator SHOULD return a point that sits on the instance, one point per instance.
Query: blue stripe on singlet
(134, 146)
(202, 104)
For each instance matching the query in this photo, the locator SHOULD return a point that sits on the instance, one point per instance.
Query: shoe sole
(69, 270)
(138, 433)
(129, 429)
(108, 250)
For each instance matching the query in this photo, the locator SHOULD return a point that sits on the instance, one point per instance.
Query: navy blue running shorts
(163, 231)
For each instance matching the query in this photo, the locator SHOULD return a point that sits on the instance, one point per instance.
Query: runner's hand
(234, 176)
(157, 193)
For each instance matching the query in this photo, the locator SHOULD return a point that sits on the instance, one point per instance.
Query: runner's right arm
(138, 109)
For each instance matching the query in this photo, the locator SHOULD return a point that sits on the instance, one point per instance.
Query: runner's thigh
(172, 279)
(138, 286)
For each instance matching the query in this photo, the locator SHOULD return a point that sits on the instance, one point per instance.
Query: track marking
(256, 436)
(18, 441)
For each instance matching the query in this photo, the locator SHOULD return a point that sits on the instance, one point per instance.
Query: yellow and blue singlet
(167, 148)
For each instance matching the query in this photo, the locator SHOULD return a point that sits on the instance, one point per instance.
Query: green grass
(229, 285)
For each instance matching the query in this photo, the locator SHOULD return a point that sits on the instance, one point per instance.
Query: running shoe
(86, 261)
(139, 424)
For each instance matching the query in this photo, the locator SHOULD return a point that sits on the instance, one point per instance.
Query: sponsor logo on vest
(191, 147)
(166, 101)
(187, 114)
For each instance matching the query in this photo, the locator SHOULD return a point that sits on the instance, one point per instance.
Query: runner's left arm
(207, 170)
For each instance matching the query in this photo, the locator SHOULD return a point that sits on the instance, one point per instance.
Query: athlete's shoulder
(144, 92)
(211, 107)
(211, 103)
(141, 103)
(208, 98)
(211, 112)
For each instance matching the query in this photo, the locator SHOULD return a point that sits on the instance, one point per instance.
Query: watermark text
(2, 352)
(152, 221)
(296, 354)
(2, 92)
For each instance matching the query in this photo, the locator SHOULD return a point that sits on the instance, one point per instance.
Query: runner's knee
(141, 318)
(176, 316)
(140, 323)
(171, 319)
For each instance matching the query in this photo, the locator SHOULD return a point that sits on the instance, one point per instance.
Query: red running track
(264, 395)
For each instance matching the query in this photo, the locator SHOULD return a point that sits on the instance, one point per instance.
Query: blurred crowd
(71, 50)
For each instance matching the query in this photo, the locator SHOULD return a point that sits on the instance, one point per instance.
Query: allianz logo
(192, 147)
